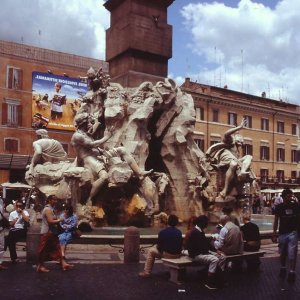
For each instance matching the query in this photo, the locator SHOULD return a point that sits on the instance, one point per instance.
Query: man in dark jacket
(251, 239)
(198, 248)
(287, 215)
(169, 245)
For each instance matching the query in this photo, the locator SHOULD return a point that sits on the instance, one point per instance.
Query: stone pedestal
(132, 245)
(32, 242)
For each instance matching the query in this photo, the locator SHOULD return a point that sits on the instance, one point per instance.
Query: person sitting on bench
(251, 238)
(169, 245)
(198, 248)
(230, 239)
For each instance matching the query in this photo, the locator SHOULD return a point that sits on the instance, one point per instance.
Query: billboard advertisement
(55, 100)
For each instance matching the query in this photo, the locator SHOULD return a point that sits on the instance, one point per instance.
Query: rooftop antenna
(220, 73)
(188, 66)
(215, 68)
(242, 54)
(40, 34)
(22, 39)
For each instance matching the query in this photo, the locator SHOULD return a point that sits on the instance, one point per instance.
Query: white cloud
(70, 26)
(250, 46)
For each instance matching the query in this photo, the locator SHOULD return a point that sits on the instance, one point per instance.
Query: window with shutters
(248, 123)
(264, 174)
(280, 127)
(11, 145)
(232, 118)
(294, 129)
(12, 113)
(247, 149)
(294, 155)
(280, 154)
(14, 78)
(264, 153)
(265, 124)
(200, 143)
(280, 175)
(215, 115)
(199, 113)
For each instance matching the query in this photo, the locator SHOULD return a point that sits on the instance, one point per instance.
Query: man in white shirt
(18, 219)
(278, 199)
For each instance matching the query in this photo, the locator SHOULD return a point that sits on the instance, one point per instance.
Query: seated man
(169, 245)
(18, 220)
(251, 238)
(230, 239)
(198, 248)
(46, 150)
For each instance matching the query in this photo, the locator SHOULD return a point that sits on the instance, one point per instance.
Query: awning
(15, 185)
(14, 161)
(271, 191)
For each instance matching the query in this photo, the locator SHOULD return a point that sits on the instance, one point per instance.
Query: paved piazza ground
(100, 273)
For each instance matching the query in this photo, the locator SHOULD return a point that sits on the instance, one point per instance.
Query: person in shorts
(287, 216)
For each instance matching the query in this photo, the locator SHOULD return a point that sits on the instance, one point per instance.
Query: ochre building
(271, 135)
(18, 62)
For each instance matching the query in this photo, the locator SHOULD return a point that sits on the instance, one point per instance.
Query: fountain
(136, 158)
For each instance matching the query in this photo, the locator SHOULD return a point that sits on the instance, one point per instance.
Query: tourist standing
(19, 221)
(287, 216)
(49, 248)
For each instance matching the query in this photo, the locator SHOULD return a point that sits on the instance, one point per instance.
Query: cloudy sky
(248, 45)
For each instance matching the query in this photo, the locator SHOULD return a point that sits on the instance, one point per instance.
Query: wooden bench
(178, 265)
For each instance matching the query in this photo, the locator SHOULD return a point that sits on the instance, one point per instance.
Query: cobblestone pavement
(100, 273)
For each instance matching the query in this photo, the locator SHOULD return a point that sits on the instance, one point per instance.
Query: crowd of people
(230, 238)
(266, 203)
(57, 230)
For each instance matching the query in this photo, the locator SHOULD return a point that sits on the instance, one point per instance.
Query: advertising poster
(55, 100)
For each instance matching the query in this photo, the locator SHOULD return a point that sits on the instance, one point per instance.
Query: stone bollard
(131, 245)
(32, 242)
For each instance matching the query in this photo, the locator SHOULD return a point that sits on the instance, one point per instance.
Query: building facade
(271, 135)
(18, 62)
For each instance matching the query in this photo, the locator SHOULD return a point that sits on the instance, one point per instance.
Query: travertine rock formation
(136, 155)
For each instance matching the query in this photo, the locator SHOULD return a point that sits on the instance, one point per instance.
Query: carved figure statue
(46, 150)
(120, 130)
(228, 155)
(93, 100)
(91, 156)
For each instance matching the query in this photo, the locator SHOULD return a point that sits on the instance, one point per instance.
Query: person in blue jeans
(287, 216)
(68, 224)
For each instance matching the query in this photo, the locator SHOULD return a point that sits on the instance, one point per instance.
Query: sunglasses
(20, 206)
